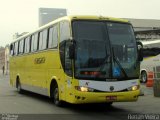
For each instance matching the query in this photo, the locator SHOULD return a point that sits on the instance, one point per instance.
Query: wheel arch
(143, 71)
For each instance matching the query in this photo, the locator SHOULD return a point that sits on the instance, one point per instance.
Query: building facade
(47, 15)
(146, 29)
(7, 59)
(2, 58)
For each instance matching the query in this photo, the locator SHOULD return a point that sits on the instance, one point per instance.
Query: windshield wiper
(106, 59)
(119, 64)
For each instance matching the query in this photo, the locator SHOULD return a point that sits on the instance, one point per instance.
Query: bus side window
(27, 45)
(16, 48)
(62, 55)
(68, 63)
(11, 49)
(21, 46)
(40, 41)
(64, 31)
(32, 43)
(64, 36)
(43, 39)
(53, 37)
(35, 42)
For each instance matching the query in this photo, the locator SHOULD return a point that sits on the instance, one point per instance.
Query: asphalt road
(33, 106)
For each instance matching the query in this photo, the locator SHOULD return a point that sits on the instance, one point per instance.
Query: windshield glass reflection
(104, 50)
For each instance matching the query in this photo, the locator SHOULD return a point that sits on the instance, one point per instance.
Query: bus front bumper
(97, 97)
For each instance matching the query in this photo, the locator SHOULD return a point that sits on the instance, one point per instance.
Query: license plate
(111, 98)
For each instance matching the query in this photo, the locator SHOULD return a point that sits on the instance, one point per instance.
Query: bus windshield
(104, 50)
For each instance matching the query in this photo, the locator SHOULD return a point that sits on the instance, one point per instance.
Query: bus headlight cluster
(133, 88)
(84, 89)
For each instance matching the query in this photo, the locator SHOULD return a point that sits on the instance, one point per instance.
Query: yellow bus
(78, 59)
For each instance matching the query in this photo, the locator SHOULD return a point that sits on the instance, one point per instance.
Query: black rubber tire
(143, 77)
(55, 96)
(19, 89)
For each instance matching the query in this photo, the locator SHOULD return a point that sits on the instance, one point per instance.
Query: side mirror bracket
(140, 51)
(72, 49)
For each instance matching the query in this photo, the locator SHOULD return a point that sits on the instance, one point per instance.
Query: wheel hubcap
(144, 77)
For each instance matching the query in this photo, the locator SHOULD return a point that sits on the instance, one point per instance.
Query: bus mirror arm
(139, 44)
(140, 50)
(72, 50)
(140, 54)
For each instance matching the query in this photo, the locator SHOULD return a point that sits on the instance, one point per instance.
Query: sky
(22, 15)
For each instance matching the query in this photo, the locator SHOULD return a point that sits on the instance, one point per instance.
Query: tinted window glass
(12, 49)
(40, 41)
(45, 36)
(32, 43)
(21, 46)
(64, 31)
(27, 45)
(16, 48)
(43, 39)
(62, 53)
(35, 42)
(53, 37)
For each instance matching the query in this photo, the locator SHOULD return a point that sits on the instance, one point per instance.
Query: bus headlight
(133, 88)
(84, 89)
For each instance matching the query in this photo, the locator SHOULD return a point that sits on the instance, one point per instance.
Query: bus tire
(143, 76)
(55, 96)
(18, 86)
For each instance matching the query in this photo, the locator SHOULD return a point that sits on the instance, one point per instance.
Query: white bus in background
(151, 50)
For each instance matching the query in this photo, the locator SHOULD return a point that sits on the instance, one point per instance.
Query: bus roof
(74, 17)
(85, 17)
(150, 42)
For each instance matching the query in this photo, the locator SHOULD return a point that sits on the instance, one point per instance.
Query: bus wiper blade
(119, 64)
(106, 59)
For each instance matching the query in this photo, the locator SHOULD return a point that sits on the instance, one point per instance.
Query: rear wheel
(18, 85)
(144, 76)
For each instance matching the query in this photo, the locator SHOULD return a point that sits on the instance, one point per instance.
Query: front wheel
(55, 96)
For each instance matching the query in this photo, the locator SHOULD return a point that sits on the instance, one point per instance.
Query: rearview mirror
(140, 51)
(140, 54)
(72, 49)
